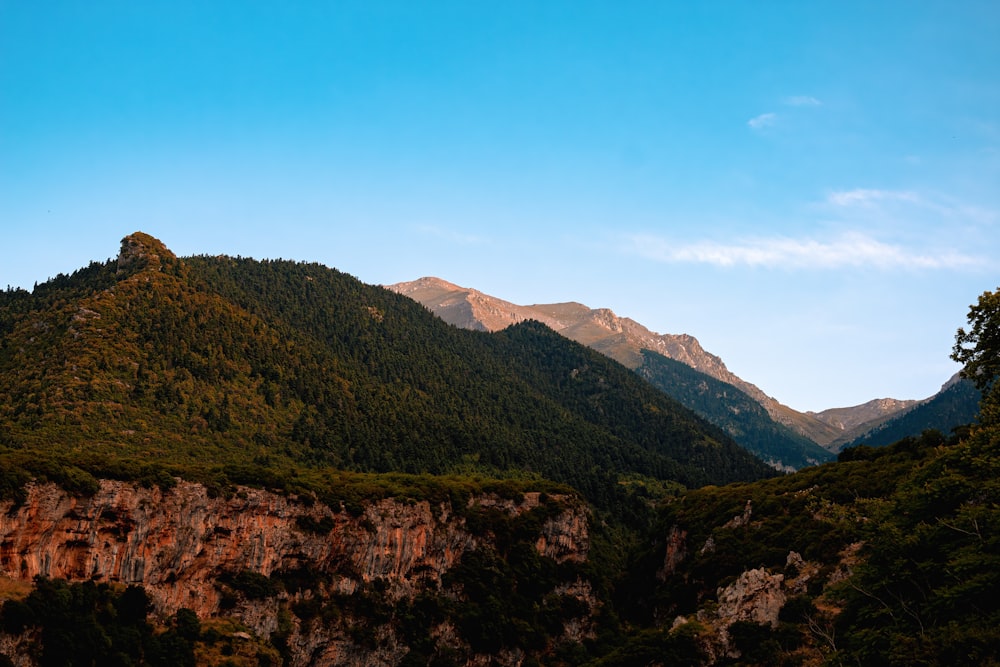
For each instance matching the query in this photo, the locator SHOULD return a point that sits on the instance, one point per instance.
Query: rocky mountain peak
(140, 251)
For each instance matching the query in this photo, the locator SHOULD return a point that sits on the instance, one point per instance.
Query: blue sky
(812, 189)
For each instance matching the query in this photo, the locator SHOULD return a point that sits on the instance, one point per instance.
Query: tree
(978, 349)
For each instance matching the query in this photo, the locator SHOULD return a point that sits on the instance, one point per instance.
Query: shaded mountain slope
(210, 361)
(739, 415)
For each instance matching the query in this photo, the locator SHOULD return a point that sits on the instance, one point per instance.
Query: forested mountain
(194, 364)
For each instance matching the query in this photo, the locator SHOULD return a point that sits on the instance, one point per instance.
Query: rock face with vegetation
(298, 574)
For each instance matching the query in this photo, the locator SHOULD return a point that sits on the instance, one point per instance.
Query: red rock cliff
(176, 543)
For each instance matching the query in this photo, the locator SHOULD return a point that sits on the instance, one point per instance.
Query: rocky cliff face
(190, 550)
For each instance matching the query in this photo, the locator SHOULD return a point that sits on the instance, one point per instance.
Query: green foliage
(94, 624)
(927, 591)
(681, 648)
(978, 349)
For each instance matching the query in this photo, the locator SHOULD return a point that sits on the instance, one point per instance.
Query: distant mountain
(211, 364)
(852, 421)
(957, 404)
(620, 338)
(848, 419)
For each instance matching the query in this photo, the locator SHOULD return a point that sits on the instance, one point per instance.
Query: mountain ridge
(620, 338)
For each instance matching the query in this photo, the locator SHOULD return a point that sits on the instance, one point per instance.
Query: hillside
(889, 556)
(886, 557)
(197, 364)
(626, 341)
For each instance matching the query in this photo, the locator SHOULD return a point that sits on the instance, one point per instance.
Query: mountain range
(221, 461)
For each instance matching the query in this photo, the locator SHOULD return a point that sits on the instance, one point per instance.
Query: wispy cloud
(943, 208)
(850, 250)
(762, 121)
(867, 197)
(802, 101)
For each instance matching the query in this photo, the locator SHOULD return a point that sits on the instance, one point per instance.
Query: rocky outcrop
(675, 554)
(757, 595)
(188, 549)
(140, 252)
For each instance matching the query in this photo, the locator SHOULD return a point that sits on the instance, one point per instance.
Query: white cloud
(802, 101)
(762, 121)
(850, 250)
